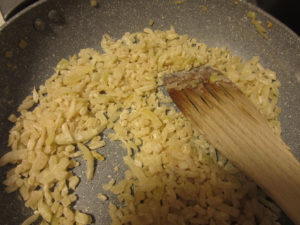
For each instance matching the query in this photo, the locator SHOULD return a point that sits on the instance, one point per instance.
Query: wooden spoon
(228, 120)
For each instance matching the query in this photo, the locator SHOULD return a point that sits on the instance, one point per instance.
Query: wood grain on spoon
(227, 118)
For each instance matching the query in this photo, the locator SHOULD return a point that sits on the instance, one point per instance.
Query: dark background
(287, 11)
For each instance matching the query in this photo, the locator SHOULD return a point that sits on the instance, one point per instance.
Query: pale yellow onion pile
(175, 175)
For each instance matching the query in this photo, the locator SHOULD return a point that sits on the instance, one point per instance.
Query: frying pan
(56, 29)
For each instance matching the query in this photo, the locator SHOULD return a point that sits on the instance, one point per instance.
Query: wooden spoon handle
(265, 159)
(240, 132)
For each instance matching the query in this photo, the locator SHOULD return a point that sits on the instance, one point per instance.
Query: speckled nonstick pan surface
(80, 25)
